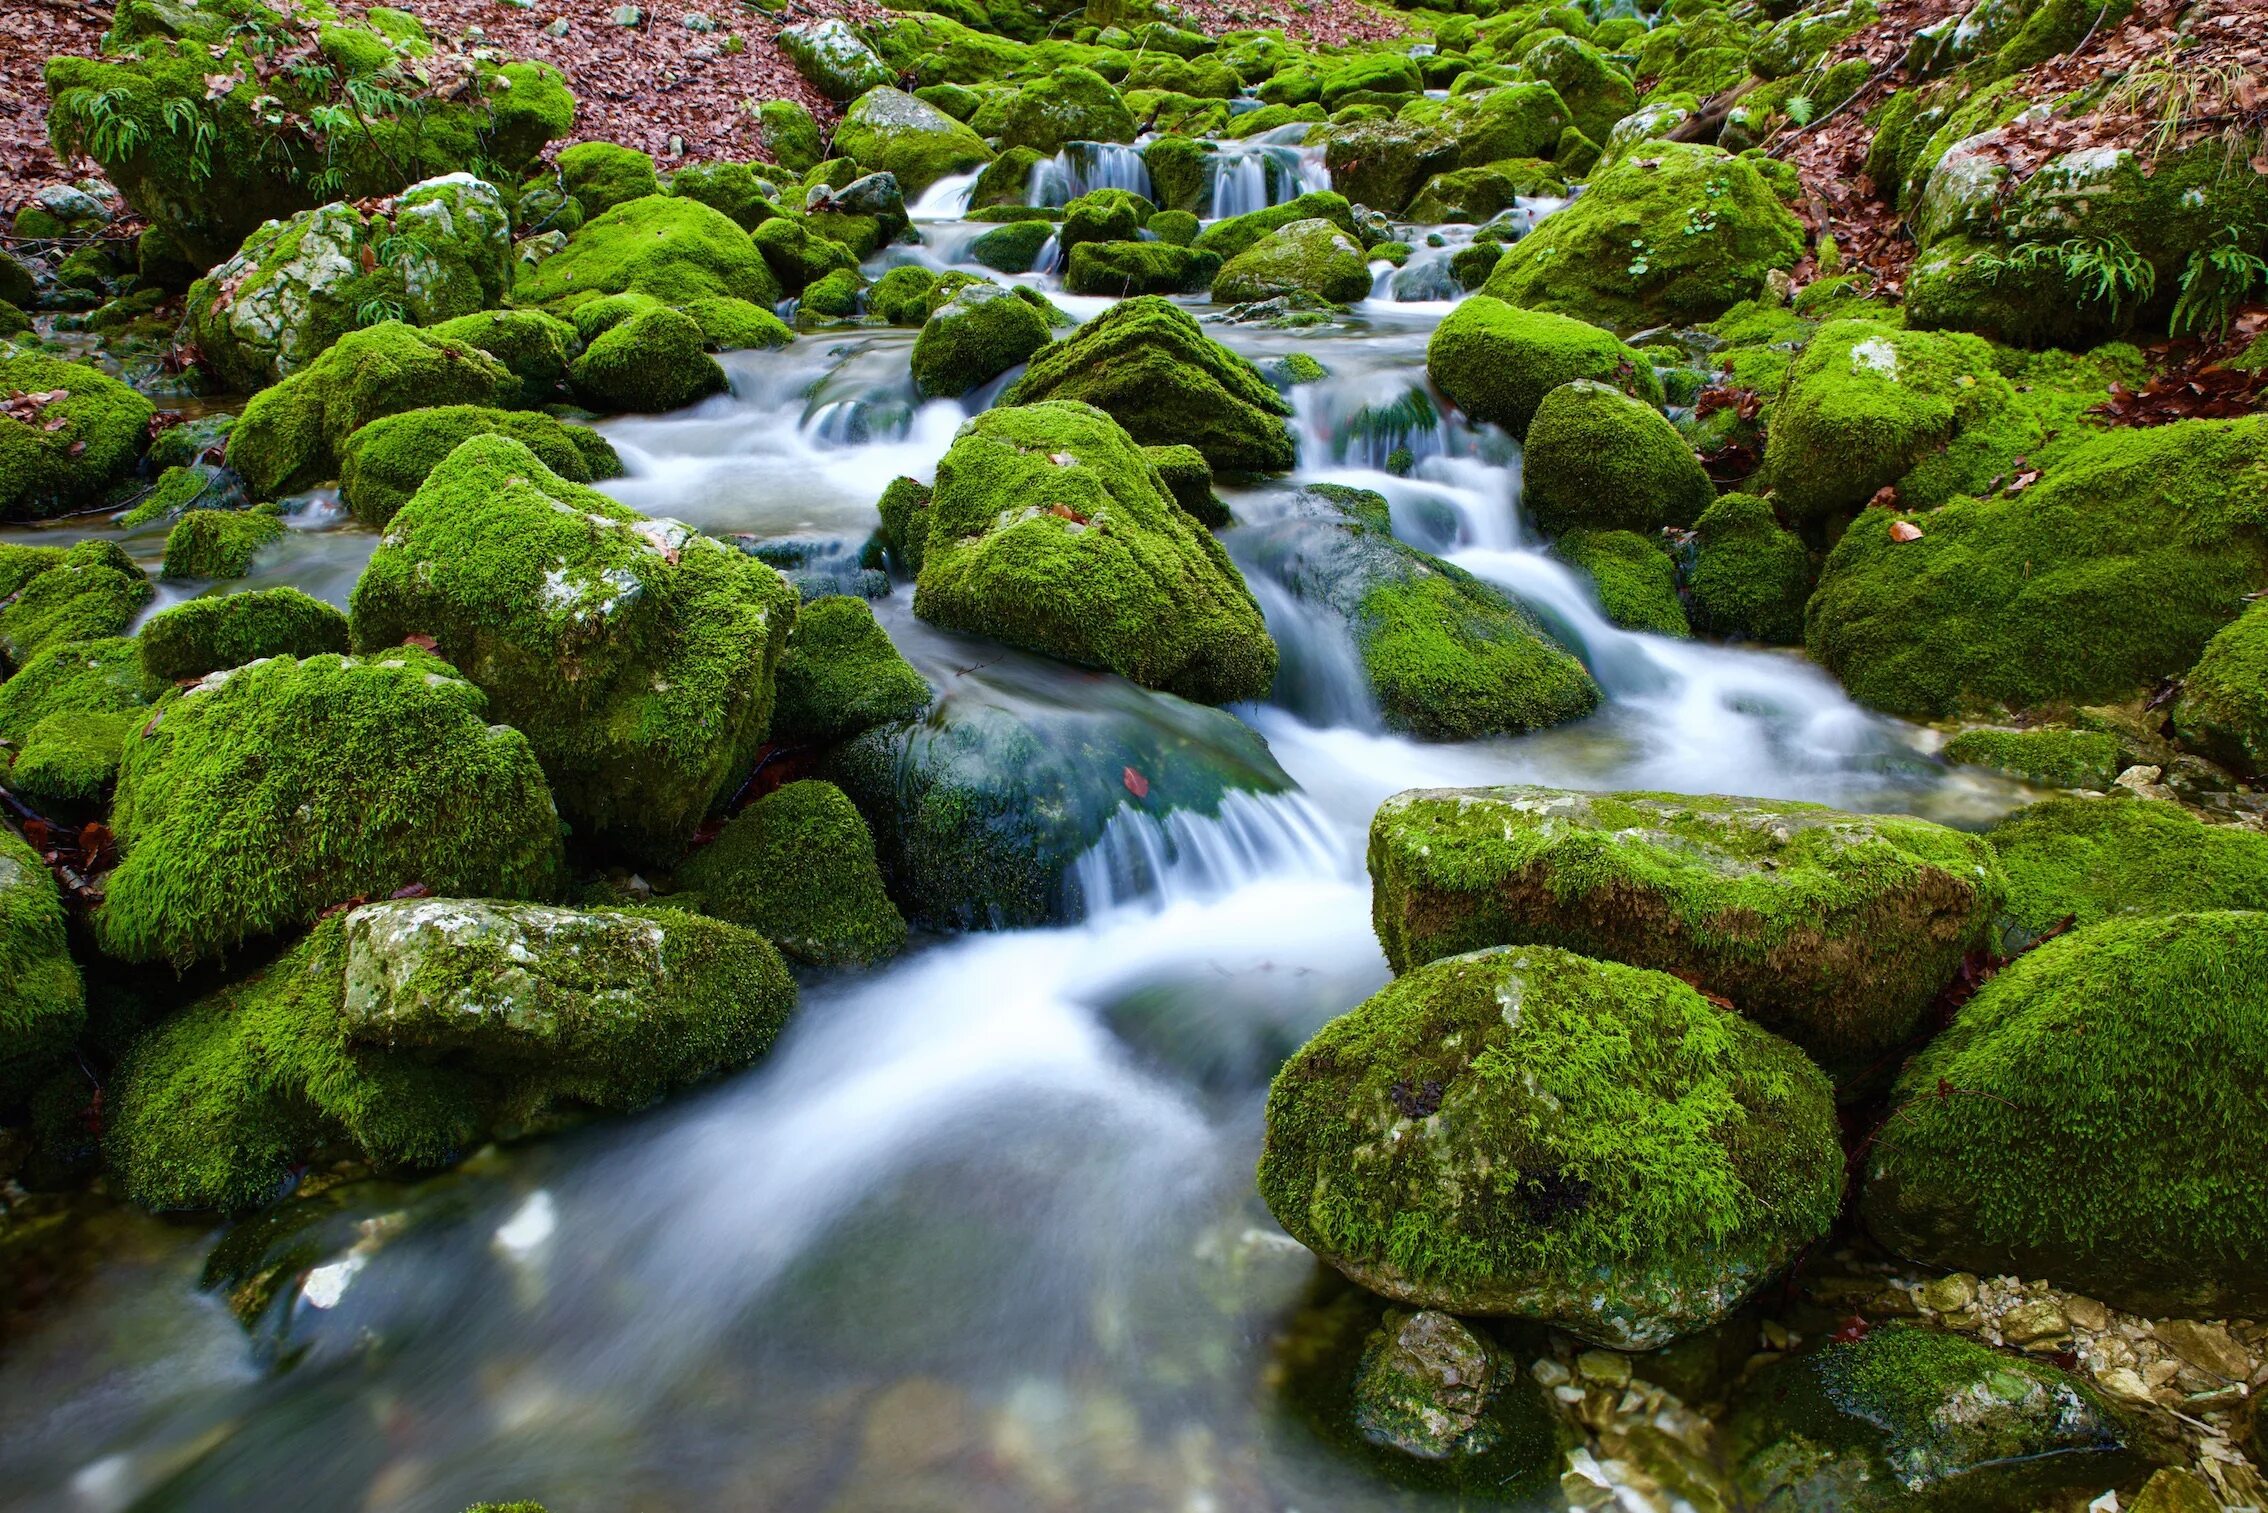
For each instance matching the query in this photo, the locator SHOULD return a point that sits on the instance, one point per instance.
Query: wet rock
(888, 129)
(220, 631)
(2091, 859)
(1598, 460)
(1304, 257)
(42, 1004)
(976, 334)
(1424, 1385)
(797, 866)
(841, 675)
(88, 592)
(1496, 363)
(833, 57)
(386, 461)
(83, 434)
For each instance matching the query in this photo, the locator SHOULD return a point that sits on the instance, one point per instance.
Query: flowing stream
(981, 1232)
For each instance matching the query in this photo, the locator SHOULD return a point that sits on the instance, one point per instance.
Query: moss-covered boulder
(1598, 460)
(1148, 365)
(79, 432)
(1382, 164)
(290, 436)
(1868, 405)
(1447, 657)
(978, 333)
(1673, 232)
(217, 544)
(797, 866)
(1229, 237)
(791, 135)
(1071, 104)
(2135, 1050)
(1049, 529)
(1104, 215)
(901, 296)
(2223, 708)
(533, 346)
(297, 286)
(220, 631)
(888, 129)
(602, 175)
(1532, 1133)
(675, 249)
(1633, 576)
(835, 59)
(1596, 92)
(1496, 362)
(42, 1003)
(1125, 270)
(2052, 757)
(636, 654)
(1903, 1419)
(1750, 575)
(841, 675)
(102, 676)
(733, 188)
(66, 764)
(1475, 195)
(2119, 857)
(798, 256)
(408, 1031)
(1013, 248)
(257, 798)
(2112, 572)
(1835, 930)
(1311, 257)
(91, 591)
(656, 360)
(1495, 125)
(984, 810)
(384, 463)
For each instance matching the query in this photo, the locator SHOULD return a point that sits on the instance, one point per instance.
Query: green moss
(1383, 163)
(68, 762)
(901, 296)
(2223, 708)
(1189, 479)
(796, 255)
(1634, 578)
(976, 335)
(1529, 1132)
(228, 630)
(2112, 572)
(75, 677)
(1310, 257)
(1012, 248)
(176, 492)
(656, 360)
(261, 796)
(836, 296)
(1598, 460)
(798, 867)
(1230, 237)
(732, 188)
(1833, 929)
(1176, 166)
(290, 436)
(213, 544)
(1070, 104)
(91, 591)
(1148, 365)
(1126, 269)
(1178, 227)
(790, 135)
(408, 1031)
(1673, 232)
(674, 249)
(536, 348)
(1750, 576)
(904, 507)
(1496, 363)
(385, 462)
(2134, 1048)
(601, 175)
(42, 1004)
(840, 675)
(2119, 857)
(888, 129)
(636, 654)
(1104, 215)
(2050, 758)
(1512, 121)
(1087, 559)
(46, 471)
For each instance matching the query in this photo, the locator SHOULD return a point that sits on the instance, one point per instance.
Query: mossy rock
(290, 436)
(797, 866)
(409, 1031)
(220, 631)
(1633, 576)
(1382, 164)
(2223, 708)
(1675, 232)
(904, 508)
(834, 58)
(2133, 1048)
(674, 249)
(1835, 930)
(386, 461)
(1232, 236)
(636, 654)
(1189, 478)
(42, 1003)
(1506, 122)
(1447, 656)
(978, 333)
(656, 360)
(2112, 572)
(1496, 362)
(1130, 269)
(887, 129)
(1012, 248)
(68, 762)
(2119, 857)
(901, 296)
(1596, 459)
(1531, 1133)
(97, 677)
(1005, 180)
(217, 544)
(1310, 257)
(1104, 215)
(841, 675)
(260, 796)
(1072, 104)
(1904, 1419)
(1596, 92)
(90, 591)
(601, 175)
(733, 188)
(2052, 758)
(534, 347)
(1148, 365)
(1050, 530)
(1473, 195)
(48, 469)
(1750, 575)
(983, 810)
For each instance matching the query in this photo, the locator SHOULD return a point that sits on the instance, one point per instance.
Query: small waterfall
(1353, 428)
(945, 200)
(1182, 856)
(1319, 673)
(1242, 177)
(1083, 166)
(1239, 184)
